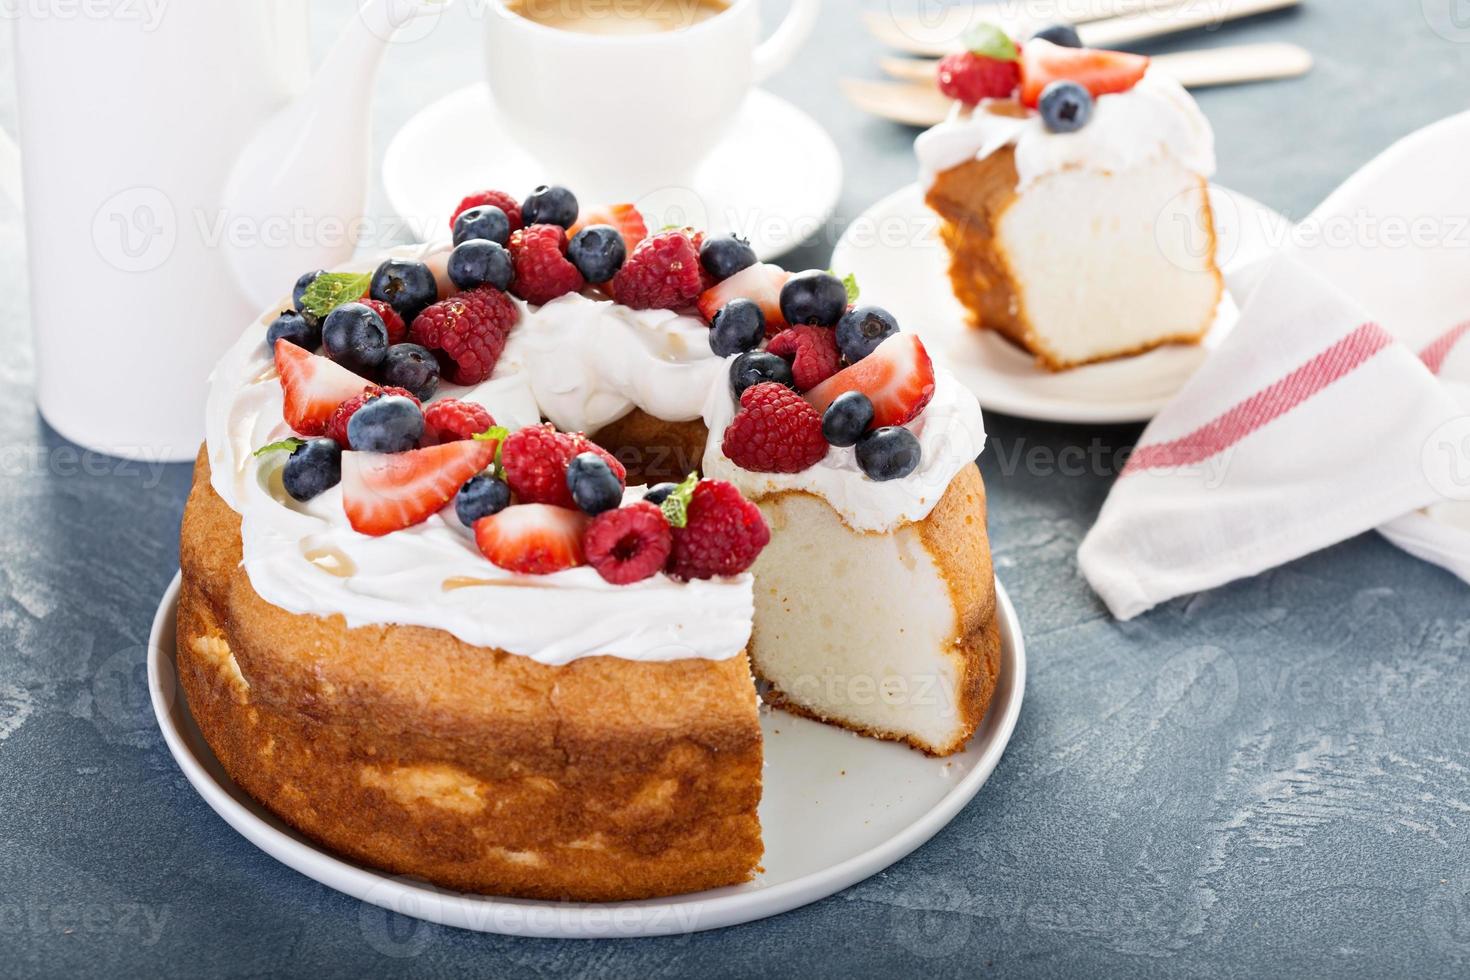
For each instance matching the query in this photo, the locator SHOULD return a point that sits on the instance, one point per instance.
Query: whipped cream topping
(951, 433)
(1154, 119)
(581, 361)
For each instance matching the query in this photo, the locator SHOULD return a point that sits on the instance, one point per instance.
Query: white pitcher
(181, 167)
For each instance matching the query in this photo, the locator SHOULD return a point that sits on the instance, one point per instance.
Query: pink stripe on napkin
(1266, 405)
(1434, 355)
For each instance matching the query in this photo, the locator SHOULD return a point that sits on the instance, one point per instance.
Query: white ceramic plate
(777, 200)
(836, 809)
(895, 252)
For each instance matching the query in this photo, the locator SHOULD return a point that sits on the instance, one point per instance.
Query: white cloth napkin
(1340, 402)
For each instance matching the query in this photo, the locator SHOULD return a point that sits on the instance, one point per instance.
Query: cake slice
(901, 641)
(1081, 230)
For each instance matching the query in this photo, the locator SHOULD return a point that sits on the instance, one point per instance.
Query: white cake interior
(1107, 264)
(873, 645)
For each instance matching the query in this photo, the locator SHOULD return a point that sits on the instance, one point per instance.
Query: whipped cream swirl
(951, 433)
(1154, 119)
(581, 362)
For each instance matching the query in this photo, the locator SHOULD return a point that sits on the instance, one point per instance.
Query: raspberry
(970, 77)
(629, 544)
(543, 271)
(471, 328)
(535, 460)
(500, 199)
(775, 431)
(724, 534)
(663, 273)
(451, 420)
(337, 424)
(397, 329)
(812, 352)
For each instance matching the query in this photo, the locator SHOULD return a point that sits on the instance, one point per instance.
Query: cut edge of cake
(1012, 252)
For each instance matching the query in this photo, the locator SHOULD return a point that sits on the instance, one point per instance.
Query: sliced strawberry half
(533, 539)
(761, 283)
(624, 217)
(385, 493)
(1100, 72)
(898, 378)
(314, 386)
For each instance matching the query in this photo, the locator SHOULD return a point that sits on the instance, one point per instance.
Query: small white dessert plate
(777, 200)
(895, 251)
(836, 809)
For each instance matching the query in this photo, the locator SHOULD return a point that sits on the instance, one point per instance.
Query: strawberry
(314, 386)
(1100, 72)
(761, 283)
(897, 377)
(532, 539)
(624, 217)
(385, 493)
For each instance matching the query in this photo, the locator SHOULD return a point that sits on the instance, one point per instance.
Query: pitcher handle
(777, 50)
(10, 171)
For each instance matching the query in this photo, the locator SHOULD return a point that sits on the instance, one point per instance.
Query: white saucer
(836, 809)
(900, 263)
(777, 200)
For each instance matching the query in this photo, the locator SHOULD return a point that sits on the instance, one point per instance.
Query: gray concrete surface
(1271, 779)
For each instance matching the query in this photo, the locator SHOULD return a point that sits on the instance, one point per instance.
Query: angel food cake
(429, 623)
(1073, 191)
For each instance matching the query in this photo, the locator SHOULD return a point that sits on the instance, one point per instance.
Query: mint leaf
(850, 283)
(989, 41)
(284, 446)
(676, 504)
(496, 434)
(331, 289)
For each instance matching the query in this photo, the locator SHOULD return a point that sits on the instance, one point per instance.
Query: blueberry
(888, 454)
(598, 252)
(550, 206)
(847, 418)
(861, 331)
(355, 337)
(298, 295)
(756, 367)
(481, 262)
(738, 326)
(726, 255)
(313, 468)
(391, 424)
(298, 328)
(484, 222)
(480, 497)
(1065, 107)
(412, 368)
(813, 297)
(659, 493)
(406, 286)
(1062, 34)
(594, 485)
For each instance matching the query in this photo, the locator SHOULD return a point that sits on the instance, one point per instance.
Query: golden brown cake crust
(475, 769)
(957, 539)
(971, 200)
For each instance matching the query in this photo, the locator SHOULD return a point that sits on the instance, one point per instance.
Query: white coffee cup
(618, 116)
